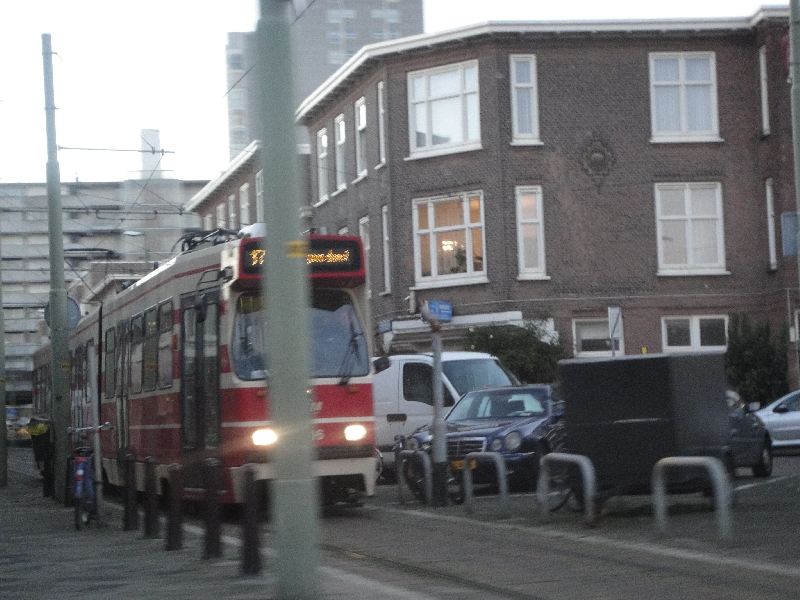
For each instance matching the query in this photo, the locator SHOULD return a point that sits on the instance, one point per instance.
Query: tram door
(123, 389)
(200, 402)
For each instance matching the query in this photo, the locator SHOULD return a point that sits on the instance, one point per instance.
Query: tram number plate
(459, 464)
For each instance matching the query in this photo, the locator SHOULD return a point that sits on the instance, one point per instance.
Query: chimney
(151, 154)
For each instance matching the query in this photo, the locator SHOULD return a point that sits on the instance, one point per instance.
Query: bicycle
(83, 488)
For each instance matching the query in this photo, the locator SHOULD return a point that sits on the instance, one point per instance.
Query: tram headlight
(353, 433)
(264, 437)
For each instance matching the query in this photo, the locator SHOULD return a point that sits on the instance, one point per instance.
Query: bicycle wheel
(83, 500)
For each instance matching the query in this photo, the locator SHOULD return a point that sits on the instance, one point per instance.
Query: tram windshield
(339, 348)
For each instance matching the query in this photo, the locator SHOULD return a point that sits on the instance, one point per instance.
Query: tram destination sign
(325, 255)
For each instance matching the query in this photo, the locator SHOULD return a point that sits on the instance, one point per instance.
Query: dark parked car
(750, 442)
(521, 422)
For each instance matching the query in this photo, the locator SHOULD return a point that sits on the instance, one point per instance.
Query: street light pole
(286, 294)
(59, 365)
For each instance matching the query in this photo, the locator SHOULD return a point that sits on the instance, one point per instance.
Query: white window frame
(360, 124)
(691, 267)
(435, 279)
(322, 166)
(694, 333)
(532, 137)
(764, 80)
(381, 126)
(536, 221)
(463, 145)
(208, 222)
(603, 323)
(244, 204)
(387, 277)
(260, 196)
(343, 231)
(684, 134)
(340, 133)
(363, 233)
(221, 209)
(772, 237)
(233, 213)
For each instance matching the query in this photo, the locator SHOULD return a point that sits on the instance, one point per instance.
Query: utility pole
(3, 433)
(285, 290)
(439, 448)
(59, 364)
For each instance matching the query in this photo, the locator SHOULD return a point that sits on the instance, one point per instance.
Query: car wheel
(764, 466)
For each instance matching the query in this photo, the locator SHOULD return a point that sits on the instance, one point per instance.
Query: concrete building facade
(113, 232)
(326, 34)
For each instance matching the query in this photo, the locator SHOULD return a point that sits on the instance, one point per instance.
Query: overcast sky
(160, 64)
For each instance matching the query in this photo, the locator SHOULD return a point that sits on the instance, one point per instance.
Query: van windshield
(471, 374)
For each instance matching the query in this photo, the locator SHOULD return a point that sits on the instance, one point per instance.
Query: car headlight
(353, 433)
(512, 441)
(264, 437)
(496, 445)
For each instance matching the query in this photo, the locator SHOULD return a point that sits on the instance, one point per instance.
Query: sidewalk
(42, 556)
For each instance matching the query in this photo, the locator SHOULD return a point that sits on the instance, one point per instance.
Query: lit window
(524, 100)
(449, 240)
(444, 114)
(530, 232)
(689, 229)
(693, 333)
(683, 97)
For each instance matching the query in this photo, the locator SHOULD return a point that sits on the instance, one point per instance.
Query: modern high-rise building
(326, 34)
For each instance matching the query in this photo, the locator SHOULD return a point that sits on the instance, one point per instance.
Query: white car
(782, 420)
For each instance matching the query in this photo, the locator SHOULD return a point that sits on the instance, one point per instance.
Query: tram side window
(137, 343)
(165, 345)
(110, 363)
(150, 349)
(123, 364)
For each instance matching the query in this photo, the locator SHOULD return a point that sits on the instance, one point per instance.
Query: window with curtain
(524, 100)
(683, 97)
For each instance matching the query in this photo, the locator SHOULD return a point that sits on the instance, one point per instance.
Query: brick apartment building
(552, 170)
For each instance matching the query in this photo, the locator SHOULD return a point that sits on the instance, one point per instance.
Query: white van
(403, 394)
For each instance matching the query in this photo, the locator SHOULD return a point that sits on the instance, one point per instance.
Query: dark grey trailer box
(625, 413)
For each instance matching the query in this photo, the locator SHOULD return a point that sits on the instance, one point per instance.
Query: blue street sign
(443, 311)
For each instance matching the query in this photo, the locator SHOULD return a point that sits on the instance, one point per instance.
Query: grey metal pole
(794, 35)
(97, 467)
(794, 72)
(3, 433)
(439, 449)
(59, 365)
(285, 289)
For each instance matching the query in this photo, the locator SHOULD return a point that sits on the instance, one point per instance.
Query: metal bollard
(130, 519)
(251, 555)
(150, 499)
(213, 544)
(174, 514)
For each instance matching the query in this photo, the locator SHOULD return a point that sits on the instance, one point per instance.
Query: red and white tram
(182, 369)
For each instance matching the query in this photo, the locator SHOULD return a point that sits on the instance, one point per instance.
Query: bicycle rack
(502, 480)
(720, 483)
(588, 482)
(427, 470)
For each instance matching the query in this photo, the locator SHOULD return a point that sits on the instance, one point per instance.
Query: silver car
(782, 420)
